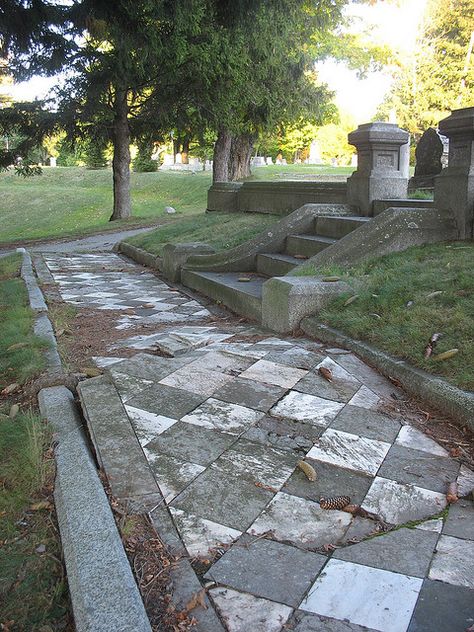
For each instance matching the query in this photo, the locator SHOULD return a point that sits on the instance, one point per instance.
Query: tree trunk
(220, 167)
(185, 151)
(240, 154)
(121, 160)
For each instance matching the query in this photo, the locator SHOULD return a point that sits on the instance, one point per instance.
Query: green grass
(394, 311)
(75, 201)
(21, 352)
(33, 590)
(221, 230)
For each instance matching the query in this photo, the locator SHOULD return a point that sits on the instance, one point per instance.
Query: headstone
(168, 161)
(259, 161)
(208, 165)
(428, 160)
(268, 160)
(179, 159)
(428, 154)
(454, 186)
(333, 162)
(195, 164)
(284, 162)
(381, 165)
(314, 154)
(52, 161)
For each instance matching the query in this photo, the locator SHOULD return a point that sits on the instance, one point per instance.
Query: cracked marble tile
(306, 408)
(398, 503)
(274, 373)
(217, 415)
(201, 535)
(350, 451)
(197, 380)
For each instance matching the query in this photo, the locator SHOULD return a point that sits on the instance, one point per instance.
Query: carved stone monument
(382, 166)
(454, 186)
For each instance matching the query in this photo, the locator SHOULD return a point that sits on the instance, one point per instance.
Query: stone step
(337, 227)
(276, 264)
(242, 297)
(307, 245)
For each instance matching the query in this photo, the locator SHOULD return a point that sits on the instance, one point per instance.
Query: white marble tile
(371, 597)
(148, 425)
(172, 475)
(243, 612)
(243, 349)
(412, 438)
(306, 408)
(365, 398)
(350, 451)
(301, 521)
(217, 415)
(435, 525)
(398, 503)
(128, 385)
(339, 374)
(200, 535)
(465, 481)
(453, 562)
(200, 381)
(273, 373)
(274, 342)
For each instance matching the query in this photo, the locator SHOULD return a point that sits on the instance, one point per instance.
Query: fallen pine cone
(336, 502)
(446, 355)
(326, 373)
(308, 470)
(452, 493)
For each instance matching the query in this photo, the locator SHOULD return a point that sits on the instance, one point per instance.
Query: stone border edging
(42, 327)
(103, 591)
(139, 255)
(96, 563)
(447, 398)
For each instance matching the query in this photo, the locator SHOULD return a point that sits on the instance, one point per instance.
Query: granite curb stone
(103, 591)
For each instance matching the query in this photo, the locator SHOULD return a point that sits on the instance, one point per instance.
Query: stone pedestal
(382, 150)
(454, 187)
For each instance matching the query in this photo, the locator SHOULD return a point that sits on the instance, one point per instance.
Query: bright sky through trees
(389, 22)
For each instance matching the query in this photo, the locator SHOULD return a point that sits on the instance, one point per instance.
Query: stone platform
(213, 415)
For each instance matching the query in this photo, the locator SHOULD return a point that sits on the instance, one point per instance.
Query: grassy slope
(221, 230)
(382, 315)
(74, 200)
(33, 590)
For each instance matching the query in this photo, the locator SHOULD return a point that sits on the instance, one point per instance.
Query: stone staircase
(245, 297)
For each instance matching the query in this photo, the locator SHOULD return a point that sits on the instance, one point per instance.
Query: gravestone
(454, 186)
(429, 151)
(52, 161)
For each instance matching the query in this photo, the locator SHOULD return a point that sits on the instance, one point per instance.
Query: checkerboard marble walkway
(222, 422)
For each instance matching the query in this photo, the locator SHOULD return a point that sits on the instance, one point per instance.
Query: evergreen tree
(439, 77)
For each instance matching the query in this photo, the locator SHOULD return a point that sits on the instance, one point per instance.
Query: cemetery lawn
(33, 590)
(221, 230)
(406, 297)
(74, 201)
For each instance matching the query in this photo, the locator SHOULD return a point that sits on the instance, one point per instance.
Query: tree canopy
(439, 77)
